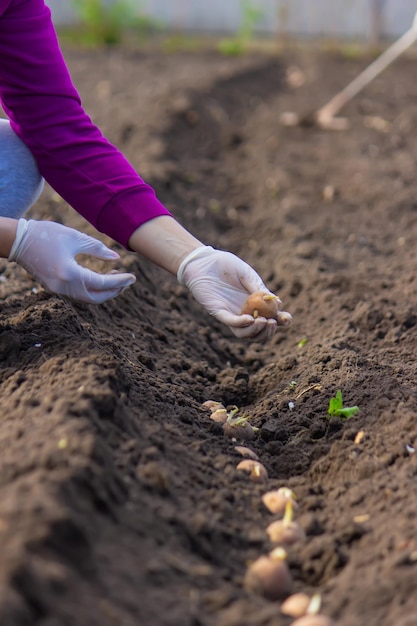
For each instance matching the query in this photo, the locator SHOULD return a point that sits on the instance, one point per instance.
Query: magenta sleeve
(45, 110)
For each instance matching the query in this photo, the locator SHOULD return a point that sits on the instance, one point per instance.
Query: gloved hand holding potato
(222, 283)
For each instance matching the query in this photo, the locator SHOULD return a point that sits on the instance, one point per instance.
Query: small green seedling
(251, 15)
(302, 343)
(239, 427)
(106, 23)
(336, 407)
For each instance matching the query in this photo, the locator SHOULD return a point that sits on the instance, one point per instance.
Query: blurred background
(369, 21)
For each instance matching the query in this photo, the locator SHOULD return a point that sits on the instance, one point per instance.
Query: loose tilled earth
(120, 501)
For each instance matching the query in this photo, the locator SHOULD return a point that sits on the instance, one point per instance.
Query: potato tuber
(219, 416)
(276, 501)
(285, 531)
(239, 428)
(262, 304)
(247, 453)
(213, 405)
(269, 576)
(257, 472)
(285, 534)
(313, 620)
(296, 605)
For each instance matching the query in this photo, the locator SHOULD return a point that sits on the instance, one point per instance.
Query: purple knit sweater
(45, 110)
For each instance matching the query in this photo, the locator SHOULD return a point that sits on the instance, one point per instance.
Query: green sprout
(251, 15)
(231, 414)
(105, 23)
(240, 420)
(336, 407)
(302, 343)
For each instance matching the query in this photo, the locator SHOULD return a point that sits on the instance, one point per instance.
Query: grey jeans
(20, 181)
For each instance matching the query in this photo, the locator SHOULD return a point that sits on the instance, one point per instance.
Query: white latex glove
(47, 251)
(221, 282)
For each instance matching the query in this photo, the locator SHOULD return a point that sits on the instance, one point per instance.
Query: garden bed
(120, 500)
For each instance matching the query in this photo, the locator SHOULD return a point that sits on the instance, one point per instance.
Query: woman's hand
(221, 282)
(47, 251)
(218, 280)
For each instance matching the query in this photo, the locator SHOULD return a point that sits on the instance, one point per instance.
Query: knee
(20, 181)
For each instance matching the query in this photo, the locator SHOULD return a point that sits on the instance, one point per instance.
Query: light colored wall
(337, 18)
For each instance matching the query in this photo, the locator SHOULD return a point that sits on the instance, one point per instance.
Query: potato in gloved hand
(262, 304)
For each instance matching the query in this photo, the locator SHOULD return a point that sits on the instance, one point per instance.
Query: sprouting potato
(276, 501)
(218, 410)
(247, 453)
(257, 472)
(239, 428)
(286, 531)
(269, 576)
(262, 304)
(296, 605)
(285, 534)
(313, 620)
(219, 416)
(213, 405)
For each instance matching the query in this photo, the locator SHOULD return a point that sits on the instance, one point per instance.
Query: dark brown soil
(120, 503)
